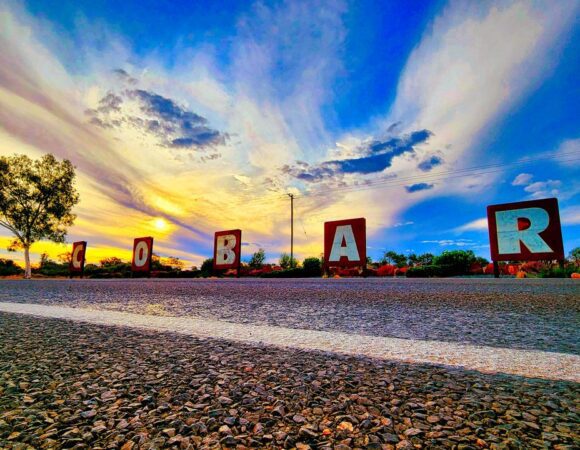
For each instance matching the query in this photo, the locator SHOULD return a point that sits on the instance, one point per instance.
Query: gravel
(535, 314)
(72, 385)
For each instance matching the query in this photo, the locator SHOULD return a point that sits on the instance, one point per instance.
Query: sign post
(227, 250)
(525, 231)
(142, 255)
(345, 244)
(77, 260)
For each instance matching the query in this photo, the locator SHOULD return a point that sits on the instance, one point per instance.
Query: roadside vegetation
(450, 263)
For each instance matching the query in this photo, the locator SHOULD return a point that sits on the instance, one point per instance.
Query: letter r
(509, 236)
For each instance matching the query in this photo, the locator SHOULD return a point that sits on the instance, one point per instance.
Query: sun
(160, 224)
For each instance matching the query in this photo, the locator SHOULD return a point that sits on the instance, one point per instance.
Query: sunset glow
(413, 116)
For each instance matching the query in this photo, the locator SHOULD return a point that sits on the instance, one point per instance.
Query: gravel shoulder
(532, 314)
(67, 384)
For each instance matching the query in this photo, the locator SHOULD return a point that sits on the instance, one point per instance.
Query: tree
(110, 262)
(285, 261)
(175, 263)
(64, 258)
(394, 258)
(425, 259)
(575, 255)
(36, 200)
(458, 262)
(257, 259)
(312, 267)
(207, 267)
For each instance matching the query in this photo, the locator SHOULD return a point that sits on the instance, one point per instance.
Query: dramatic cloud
(379, 156)
(419, 187)
(473, 65)
(174, 125)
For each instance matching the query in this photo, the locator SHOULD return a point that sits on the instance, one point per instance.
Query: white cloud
(475, 63)
(451, 242)
(567, 154)
(522, 179)
(540, 189)
(475, 225)
(571, 215)
(402, 224)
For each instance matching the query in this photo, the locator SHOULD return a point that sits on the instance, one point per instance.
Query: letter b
(224, 249)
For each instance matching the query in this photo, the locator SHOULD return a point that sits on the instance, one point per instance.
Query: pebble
(65, 384)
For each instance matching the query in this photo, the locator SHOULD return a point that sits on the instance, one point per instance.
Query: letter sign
(525, 231)
(142, 254)
(227, 249)
(77, 260)
(345, 243)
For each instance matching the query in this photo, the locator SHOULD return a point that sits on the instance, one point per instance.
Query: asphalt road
(525, 314)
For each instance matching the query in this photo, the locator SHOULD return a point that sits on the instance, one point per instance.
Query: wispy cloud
(451, 242)
(475, 225)
(571, 215)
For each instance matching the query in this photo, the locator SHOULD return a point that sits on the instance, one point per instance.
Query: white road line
(527, 363)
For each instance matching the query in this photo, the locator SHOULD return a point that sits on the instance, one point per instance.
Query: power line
(435, 176)
(392, 182)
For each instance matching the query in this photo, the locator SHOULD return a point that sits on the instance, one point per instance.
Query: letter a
(350, 250)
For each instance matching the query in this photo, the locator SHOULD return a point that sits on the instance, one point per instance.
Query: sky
(185, 118)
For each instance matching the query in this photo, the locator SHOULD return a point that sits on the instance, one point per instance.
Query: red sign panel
(77, 261)
(142, 254)
(525, 231)
(345, 243)
(227, 249)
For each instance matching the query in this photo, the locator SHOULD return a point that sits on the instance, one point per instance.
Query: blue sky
(184, 117)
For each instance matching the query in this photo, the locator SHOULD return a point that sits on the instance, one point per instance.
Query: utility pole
(291, 230)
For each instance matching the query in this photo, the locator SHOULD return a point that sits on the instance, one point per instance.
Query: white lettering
(509, 236)
(344, 234)
(224, 249)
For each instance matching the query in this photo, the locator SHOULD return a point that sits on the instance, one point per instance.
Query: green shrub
(458, 262)
(297, 272)
(432, 270)
(9, 268)
(557, 272)
(312, 267)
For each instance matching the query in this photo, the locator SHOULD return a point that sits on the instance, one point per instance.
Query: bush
(207, 268)
(386, 270)
(286, 262)
(297, 272)
(458, 262)
(257, 260)
(9, 268)
(557, 272)
(51, 268)
(432, 270)
(312, 267)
